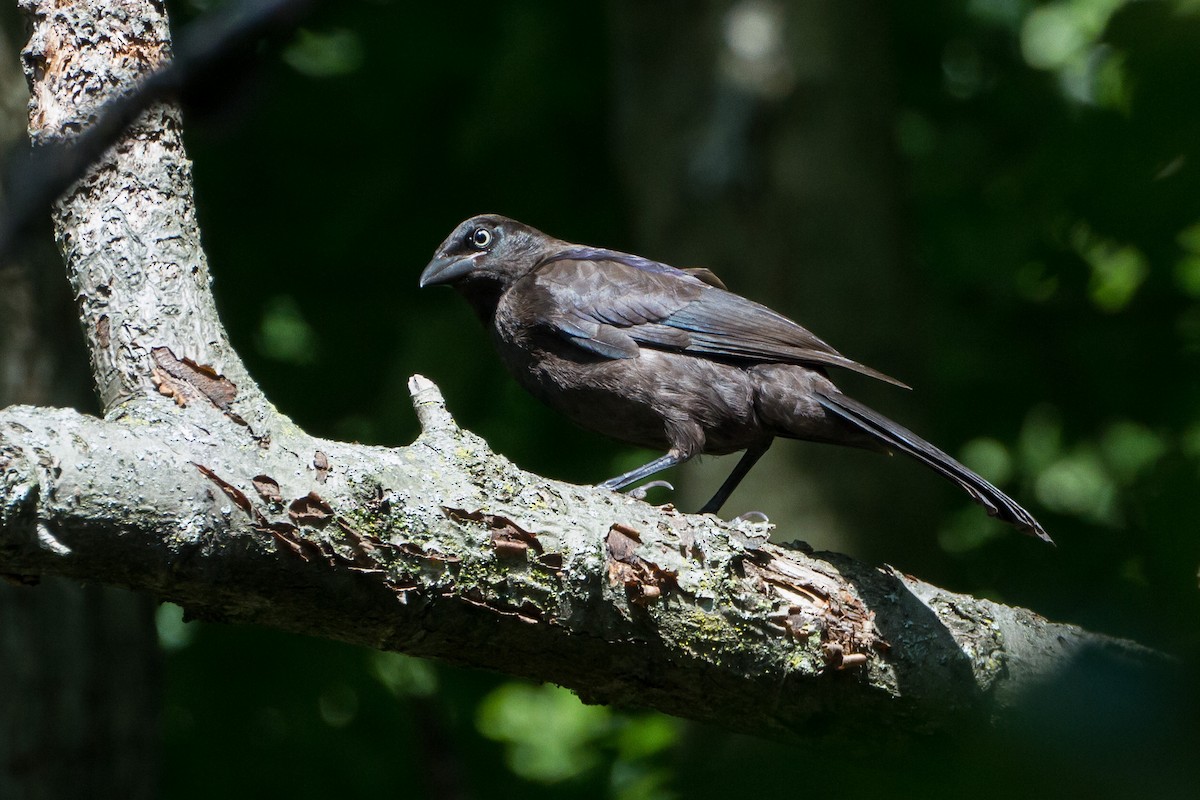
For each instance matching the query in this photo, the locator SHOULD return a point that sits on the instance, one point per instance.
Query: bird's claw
(640, 492)
(752, 516)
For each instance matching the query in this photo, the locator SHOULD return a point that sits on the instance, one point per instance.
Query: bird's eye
(481, 238)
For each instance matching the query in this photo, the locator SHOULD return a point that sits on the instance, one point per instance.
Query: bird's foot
(752, 516)
(640, 492)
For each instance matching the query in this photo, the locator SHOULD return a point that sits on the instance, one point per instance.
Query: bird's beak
(447, 269)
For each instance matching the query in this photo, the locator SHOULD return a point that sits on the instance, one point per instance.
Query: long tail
(896, 437)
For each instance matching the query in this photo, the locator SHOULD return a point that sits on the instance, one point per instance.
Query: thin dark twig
(42, 173)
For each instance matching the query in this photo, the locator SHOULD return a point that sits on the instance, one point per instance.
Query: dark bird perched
(667, 358)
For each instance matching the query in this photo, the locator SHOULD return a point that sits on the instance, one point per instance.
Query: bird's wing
(612, 304)
(603, 305)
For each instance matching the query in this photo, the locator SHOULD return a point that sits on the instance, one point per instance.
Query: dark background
(996, 201)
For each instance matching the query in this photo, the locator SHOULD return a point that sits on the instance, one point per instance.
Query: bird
(669, 359)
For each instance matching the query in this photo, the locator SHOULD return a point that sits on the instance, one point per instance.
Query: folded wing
(612, 304)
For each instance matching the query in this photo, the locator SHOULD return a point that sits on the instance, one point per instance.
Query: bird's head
(486, 251)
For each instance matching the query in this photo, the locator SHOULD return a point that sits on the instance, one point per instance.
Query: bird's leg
(749, 459)
(644, 471)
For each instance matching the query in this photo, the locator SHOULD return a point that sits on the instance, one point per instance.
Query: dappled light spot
(338, 705)
(989, 457)
(1118, 270)
(325, 54)
(403, 675)
(1130, 449)
(1078, 484)
(284, 334)
(548, 731)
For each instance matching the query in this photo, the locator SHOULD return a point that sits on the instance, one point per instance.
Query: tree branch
(444, 549)
(196, 490)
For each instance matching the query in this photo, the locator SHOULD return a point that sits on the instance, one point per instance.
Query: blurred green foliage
(551, 737)
(1050, 155)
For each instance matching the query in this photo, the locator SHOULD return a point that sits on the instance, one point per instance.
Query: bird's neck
(484, 296)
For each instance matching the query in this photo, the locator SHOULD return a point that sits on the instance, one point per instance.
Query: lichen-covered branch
(444, 549)
(194, 489)
(128, 229)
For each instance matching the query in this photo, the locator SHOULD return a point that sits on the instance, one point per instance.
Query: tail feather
(899, 438)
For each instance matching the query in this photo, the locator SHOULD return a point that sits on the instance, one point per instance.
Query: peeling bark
(194, 489)
(444, 549)
(128, 229)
